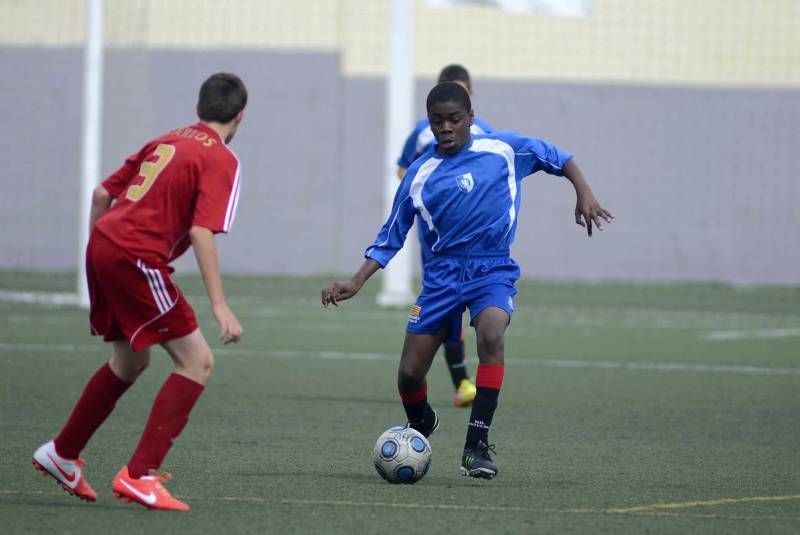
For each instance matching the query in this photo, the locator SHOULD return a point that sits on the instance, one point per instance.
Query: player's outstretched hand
(339, 291)
(588, 211)
(230, 330)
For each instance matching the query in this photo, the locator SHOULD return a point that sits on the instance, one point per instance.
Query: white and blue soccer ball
(402, 455)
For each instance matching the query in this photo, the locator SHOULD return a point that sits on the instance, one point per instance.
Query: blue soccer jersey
(422, 137)
(468, 202)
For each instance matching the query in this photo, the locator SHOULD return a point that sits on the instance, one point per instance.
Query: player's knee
(408, 380)
(491, 345)
(205, 364)
(129, 367)
(140, 366)
(197, 366)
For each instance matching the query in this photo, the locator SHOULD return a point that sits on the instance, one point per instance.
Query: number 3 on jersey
(150, 171)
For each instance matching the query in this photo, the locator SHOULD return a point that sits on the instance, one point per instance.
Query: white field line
(752, 334)
(710, 325)
(40, 298)
(384, 357)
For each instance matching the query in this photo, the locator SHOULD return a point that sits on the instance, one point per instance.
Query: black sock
(454, 355)
(480, 420)
(420, 417)
(417, 412)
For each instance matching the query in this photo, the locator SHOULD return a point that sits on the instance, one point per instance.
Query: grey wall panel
(703, 181)
(363, 170)
(286, 145)
(40, 95)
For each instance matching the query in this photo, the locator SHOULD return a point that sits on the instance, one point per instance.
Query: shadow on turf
(367, 478)
(53, 502)
(361, 478)
(335, 399)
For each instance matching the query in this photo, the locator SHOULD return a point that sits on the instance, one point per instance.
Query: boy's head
(222, 99)
(450, 115)
(456, 73)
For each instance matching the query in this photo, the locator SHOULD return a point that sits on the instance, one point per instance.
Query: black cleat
(428, 425)
(476, 461)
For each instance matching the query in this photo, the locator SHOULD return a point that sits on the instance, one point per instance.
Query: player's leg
(60, 457)
(490, 326)
(139, 480)
(425, 332)
(489, 290)
(455, 357)
(415, 361)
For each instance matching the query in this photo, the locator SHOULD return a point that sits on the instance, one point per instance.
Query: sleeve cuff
(369, 255)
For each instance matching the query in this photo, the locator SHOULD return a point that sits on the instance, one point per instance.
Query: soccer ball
(402, 455)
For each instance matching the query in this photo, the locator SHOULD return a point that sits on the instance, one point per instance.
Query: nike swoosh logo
(149, 498)
(69, 477)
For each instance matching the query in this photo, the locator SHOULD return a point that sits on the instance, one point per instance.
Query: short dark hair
(448, 92)
(222, 97)
(455, 73)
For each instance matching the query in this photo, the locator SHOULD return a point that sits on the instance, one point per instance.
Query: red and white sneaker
(147, 490)
(67, 472)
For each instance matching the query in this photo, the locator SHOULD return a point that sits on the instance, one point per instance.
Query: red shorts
(131, 300)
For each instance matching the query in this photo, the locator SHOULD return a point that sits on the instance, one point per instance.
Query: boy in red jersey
(178, 190)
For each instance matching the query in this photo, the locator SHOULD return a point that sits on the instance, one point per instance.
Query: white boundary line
(629, 318)
(384, 357)
(40, 298)
(750, 334)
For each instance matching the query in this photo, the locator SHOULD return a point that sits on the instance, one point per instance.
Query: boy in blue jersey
(465, 189)
(420, 139)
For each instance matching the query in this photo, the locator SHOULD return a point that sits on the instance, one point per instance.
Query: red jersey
(184, 178)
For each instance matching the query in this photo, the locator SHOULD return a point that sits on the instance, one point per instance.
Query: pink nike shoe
(147, 490)
(67, 472)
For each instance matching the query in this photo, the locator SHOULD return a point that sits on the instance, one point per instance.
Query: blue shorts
(452, 284)
(454, 323)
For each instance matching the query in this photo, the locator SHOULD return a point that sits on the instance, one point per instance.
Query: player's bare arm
(587, 209)
(101, 202)
(339, 291)
(401, 172)
(205, 250)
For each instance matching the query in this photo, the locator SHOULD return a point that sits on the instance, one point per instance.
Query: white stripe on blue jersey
(469, 201)
(415, 191)
(505, 150)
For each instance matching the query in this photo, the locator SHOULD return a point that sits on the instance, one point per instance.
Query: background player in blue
(417, 142)
(466, 190)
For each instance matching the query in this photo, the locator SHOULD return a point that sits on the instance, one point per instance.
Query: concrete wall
(703, 180)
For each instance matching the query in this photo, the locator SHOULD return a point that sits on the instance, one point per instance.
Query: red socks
(490, 376)
(412, 398)
(167, 419)
(98, 399)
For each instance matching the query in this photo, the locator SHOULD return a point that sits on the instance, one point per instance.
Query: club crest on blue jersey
(413, 317)
(465, 182)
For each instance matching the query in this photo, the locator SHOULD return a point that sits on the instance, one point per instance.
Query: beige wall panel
(41, 22)
(684, 42)
(220, 24)
(310, 24)
(708, 42)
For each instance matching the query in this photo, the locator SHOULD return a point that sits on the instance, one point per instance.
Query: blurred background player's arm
(401, 172)
(205, 250)
(101, 202)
